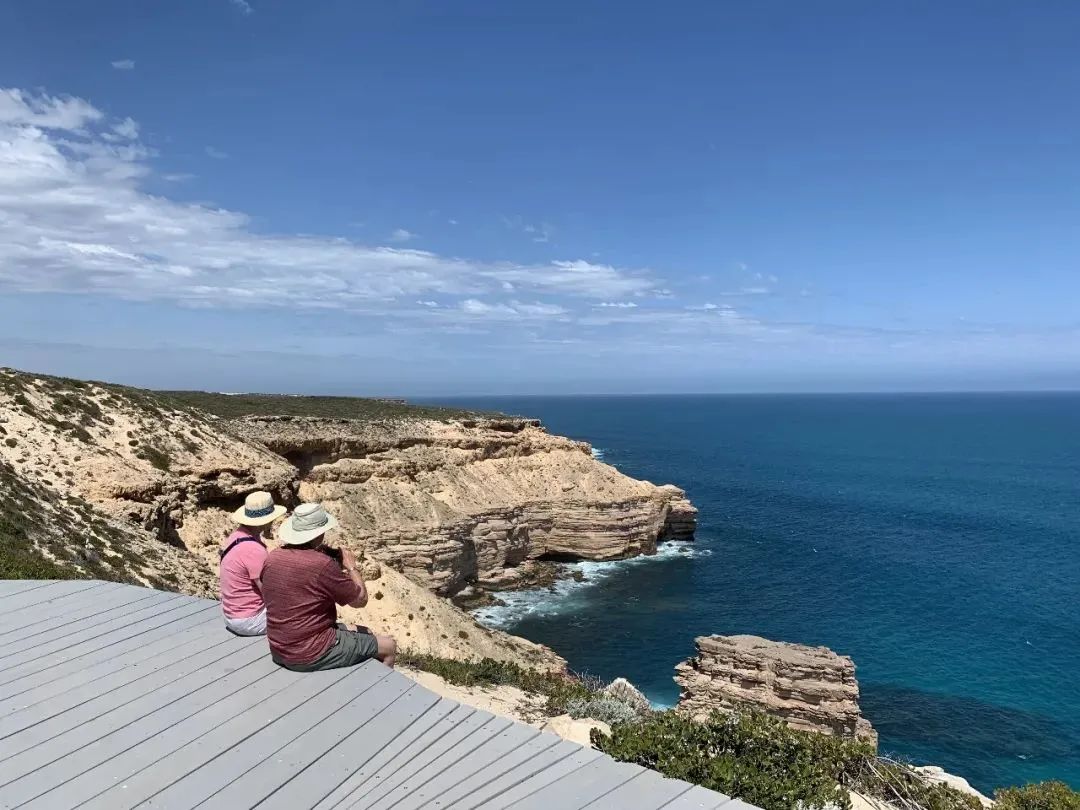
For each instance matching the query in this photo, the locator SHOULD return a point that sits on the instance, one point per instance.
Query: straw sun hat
(259, 509)
(308, 521)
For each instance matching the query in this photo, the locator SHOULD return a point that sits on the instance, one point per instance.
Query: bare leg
(387, 650)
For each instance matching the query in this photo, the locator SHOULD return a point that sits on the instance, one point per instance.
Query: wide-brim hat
(308, 521)
(259, 509)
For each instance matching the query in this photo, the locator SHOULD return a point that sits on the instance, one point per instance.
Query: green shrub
(750, 756)
(557, 688)
(157, 458)
(1043, 796)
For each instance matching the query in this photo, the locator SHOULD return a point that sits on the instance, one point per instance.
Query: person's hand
(348, 560)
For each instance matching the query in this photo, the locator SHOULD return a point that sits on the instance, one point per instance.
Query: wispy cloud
(536, 232)
(511, 309)
(216, 153)
(124, 64)
(402, 235)
(243, 5)
(74, 218)
(177, 177)
(617, 305)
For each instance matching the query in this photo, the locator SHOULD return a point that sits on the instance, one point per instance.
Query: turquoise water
(935, 539)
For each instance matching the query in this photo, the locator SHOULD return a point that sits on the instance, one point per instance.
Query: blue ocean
(933, 538)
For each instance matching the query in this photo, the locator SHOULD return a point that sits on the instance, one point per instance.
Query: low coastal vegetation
(235, 406)
(749, 755)
(1043, 796)
(35, 544)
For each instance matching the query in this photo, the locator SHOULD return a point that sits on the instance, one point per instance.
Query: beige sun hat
(259, 509)
(308, 521)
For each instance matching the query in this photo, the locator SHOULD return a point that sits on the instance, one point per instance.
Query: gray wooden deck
(113, 696)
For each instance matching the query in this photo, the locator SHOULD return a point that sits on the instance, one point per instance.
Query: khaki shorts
(349, 649)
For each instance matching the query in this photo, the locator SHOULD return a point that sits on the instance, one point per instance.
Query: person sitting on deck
(303, 582)
(242, 555)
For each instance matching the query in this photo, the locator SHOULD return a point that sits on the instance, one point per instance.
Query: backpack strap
(236, 542)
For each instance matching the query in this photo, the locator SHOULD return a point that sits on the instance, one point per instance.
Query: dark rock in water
(471, 598)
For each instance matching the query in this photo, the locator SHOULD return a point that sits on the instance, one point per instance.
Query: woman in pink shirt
(243, 554)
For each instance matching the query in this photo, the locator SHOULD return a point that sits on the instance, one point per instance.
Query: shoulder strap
(238, 541)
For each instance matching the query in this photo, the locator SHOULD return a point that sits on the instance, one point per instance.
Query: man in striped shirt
(303, 582)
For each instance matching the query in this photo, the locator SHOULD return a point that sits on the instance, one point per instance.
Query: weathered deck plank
(117, 697)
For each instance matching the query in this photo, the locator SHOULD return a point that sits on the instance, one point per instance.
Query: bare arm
(348, 562)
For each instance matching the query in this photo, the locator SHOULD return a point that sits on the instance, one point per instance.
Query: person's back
(242, 556)
(302, 585)
(302, 588)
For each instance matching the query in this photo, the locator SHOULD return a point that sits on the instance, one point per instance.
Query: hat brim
(291, 537)
(239, 517)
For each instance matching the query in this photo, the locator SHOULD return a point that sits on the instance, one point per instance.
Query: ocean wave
(568, 592)
(597, 453)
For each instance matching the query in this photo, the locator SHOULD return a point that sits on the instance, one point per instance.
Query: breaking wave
(568, 592)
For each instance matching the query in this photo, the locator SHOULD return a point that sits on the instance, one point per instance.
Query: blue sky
(559, 197)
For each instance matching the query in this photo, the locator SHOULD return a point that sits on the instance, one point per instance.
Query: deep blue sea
(933, 538)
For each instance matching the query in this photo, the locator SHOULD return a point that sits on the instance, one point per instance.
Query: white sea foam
(568, 593)
(597, 453)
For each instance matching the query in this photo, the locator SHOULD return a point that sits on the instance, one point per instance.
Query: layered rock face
(472, 501)
(810, 688)
(137, 487)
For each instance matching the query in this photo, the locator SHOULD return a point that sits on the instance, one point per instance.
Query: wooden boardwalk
(114, 696)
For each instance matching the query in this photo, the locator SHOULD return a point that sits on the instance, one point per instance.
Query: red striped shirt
(302, 588)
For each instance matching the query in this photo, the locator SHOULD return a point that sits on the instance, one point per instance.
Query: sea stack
(810, 688)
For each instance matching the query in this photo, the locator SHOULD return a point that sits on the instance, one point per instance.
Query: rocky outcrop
(446, 503)
(622, 689)
(472, 501)
(810, 688)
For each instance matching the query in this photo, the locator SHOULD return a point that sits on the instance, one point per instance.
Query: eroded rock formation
(472, 501)
(810, 688)
(443, 502)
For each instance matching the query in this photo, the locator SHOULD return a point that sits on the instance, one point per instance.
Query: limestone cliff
(811, 688)
(451, 503)
(138, 486)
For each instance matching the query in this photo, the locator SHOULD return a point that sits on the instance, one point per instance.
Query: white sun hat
(308, 521)
(259, 509)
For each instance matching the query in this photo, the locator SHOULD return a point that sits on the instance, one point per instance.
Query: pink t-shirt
(240, 572)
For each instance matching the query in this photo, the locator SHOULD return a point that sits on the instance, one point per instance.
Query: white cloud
(538, 233)
(216, 154)
(27, 110)
(618, 305)
(126, 130)
(428, 303)
(452, 221)
(512, 310)
(402, 235)
(74, 218)
(177, 177)
(243, 5)
(124, 64)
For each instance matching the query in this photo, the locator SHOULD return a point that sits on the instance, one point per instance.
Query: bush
(749, 756)
(607, 709)
(1043, 796)
(159, 459)
(558, 689)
